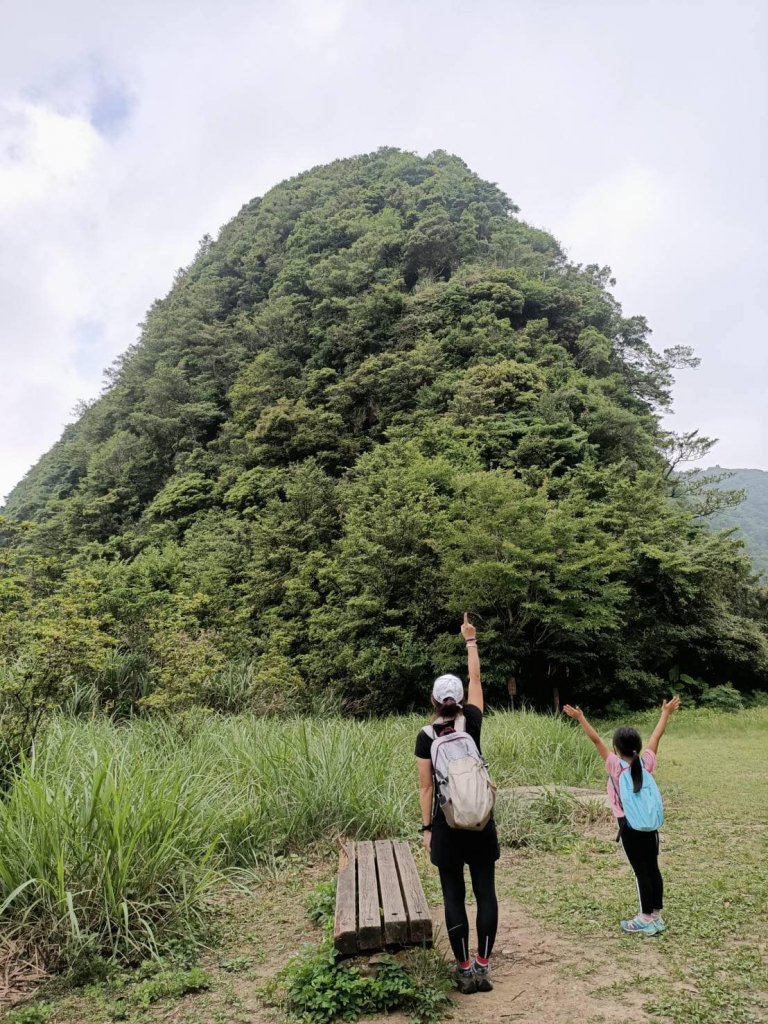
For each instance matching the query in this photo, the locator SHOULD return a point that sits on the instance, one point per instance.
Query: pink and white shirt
(614, 769)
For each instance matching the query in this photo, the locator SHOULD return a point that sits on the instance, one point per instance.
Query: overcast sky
(636, 132)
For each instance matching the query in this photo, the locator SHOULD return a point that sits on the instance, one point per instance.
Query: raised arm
(667, 708)
(578, 715)
(475, 694)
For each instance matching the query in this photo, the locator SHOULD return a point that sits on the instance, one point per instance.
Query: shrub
(722, 698)
(321, 903)
(692, 686)
(317, 986)
(35, 1013)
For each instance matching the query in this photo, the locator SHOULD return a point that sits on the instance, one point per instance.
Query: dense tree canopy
(378, 398)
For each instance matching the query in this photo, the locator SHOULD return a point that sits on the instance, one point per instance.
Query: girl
(641, 848)
(451, 848)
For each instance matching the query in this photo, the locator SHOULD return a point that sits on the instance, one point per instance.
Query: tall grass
(105, 842)
(527, 749)
(111, 835)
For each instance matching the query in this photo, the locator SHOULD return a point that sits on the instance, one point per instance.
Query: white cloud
(132, 130)
(321, 19)
(41, 151)
(615, 215)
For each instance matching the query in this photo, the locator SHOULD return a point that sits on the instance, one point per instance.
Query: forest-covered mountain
(377, 399)
(751, 516)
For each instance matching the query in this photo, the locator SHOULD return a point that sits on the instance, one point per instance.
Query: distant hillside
(752, 515)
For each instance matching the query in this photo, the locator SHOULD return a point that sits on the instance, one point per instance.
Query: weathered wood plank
(345, 921)
(368, 909)
(392, 905)
(419, 917)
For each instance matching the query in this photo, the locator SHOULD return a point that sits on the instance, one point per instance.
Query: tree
(376, 396)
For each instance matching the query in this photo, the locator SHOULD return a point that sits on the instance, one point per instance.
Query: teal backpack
(644, 811)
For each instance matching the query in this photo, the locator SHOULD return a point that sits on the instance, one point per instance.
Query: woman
(451, 848)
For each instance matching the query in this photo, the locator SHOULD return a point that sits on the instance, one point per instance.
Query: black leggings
(642, 850)
(484, 888)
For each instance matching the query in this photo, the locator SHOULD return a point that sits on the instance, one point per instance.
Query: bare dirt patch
(542, 977)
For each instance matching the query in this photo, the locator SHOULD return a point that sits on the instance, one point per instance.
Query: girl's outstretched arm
(577, 714)
(475, 694)
(667, 707)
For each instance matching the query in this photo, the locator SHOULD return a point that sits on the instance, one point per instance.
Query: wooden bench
(379, 899)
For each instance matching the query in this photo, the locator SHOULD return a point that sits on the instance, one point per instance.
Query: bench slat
(393, 908)
(369, 913)
(419, 917)
(345, 922)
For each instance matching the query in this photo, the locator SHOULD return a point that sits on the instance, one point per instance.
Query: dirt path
(540, 977)
(543, 977)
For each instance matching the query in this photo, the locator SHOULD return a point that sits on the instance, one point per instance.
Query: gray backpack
(462, 784)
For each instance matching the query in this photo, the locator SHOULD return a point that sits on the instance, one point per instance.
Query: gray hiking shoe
(482, 978)
(466, 981)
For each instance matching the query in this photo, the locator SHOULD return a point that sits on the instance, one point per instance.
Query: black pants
(484, 888)
(642, 850)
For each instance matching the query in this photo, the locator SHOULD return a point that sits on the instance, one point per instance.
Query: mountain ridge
(751, 516)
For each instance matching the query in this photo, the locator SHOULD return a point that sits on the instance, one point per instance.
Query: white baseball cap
(447, 688)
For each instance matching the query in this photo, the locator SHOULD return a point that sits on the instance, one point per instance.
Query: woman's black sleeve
(423, 745)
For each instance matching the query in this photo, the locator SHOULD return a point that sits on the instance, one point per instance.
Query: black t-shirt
(474, 722)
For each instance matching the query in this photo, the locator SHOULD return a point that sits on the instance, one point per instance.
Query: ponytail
(628, 744)
(636, 771)
(447, 712)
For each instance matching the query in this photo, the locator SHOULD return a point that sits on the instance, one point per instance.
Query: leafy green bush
(318, 986)
(618, 709)
(691, 687)
(321, 903)
(722, 698)
(35, 1013)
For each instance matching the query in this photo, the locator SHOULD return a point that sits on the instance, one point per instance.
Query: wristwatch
(425, 828)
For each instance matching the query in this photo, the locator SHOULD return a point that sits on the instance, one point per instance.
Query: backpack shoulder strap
(615, 782)
(460, 723)
(429, 730)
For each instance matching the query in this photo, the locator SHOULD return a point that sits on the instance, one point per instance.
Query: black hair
(448, 711)
(629, 744)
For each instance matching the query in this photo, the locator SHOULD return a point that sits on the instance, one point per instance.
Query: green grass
(114, 838)
(713, 772)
